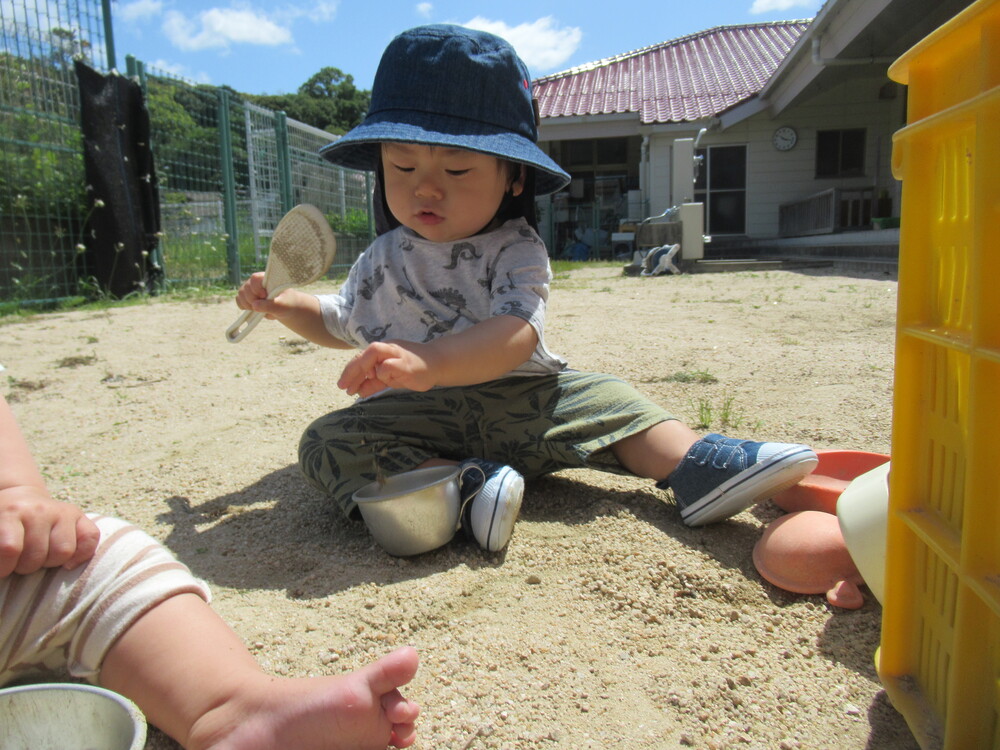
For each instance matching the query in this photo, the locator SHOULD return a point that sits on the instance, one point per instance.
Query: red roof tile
(686, 79)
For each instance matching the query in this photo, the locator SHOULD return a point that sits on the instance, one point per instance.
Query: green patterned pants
(537, 425)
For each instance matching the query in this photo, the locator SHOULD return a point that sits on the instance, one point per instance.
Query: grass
(693, 376)
(11, 312)
(562, 268)
(723, 416)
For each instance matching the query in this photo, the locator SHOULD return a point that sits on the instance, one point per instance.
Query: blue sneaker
(491, 499)
(720, 476)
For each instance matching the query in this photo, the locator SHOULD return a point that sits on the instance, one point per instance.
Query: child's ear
(517, 184)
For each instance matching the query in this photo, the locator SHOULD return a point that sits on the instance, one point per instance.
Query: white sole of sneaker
(505, 510)
(759, 482)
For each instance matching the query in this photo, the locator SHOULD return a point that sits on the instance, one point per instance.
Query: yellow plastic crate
(939, 657)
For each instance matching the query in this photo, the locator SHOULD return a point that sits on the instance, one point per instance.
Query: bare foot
(360, 710)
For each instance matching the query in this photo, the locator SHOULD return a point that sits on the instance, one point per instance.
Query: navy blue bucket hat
(445, 85)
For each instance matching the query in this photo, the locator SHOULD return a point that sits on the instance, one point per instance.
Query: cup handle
(471, 493)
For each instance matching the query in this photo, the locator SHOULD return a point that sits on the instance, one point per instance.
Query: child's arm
(35, 530)
(483, 352)
(298, 311)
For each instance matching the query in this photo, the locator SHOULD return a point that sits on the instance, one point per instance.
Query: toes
(393, 671)
(403, 735)
(399, 710)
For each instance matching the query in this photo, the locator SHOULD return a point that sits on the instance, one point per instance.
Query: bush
(354, 222)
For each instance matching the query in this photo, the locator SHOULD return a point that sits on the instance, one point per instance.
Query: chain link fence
(227, 170)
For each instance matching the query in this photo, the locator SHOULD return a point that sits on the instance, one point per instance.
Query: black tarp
(121, 235)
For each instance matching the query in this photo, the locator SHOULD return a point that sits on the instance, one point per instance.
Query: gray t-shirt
(407, 288)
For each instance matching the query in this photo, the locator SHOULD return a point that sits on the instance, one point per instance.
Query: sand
(606, 623)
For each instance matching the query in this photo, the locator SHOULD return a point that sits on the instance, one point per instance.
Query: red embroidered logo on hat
(525, 82)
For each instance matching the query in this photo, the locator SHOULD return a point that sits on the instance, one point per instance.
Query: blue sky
(270, 48)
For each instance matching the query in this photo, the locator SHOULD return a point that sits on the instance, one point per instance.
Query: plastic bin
(939, 657)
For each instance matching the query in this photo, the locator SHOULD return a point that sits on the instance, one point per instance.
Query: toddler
(447, 311)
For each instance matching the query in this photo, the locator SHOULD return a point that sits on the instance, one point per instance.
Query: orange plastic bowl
(820, 490)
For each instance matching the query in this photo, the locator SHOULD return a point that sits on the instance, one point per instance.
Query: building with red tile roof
(683, 80)
(778, 129)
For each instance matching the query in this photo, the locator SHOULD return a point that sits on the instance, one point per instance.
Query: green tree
(329, 100)
(185, 136)
(41, 161)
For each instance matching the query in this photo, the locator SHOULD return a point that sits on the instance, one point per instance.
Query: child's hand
(38, 532)
(388, 364)
(297, 310)
(253, 296)
(251, 291)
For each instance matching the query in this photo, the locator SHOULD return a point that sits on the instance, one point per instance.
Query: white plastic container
(863, 513)
(65, 716)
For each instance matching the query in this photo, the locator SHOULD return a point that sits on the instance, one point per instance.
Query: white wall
(660, 156)
(775, 177)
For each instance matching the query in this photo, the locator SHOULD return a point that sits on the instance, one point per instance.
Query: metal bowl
(69, 717)
(412, 512)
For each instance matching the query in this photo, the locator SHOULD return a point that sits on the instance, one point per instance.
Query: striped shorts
(57, 620)
(537, 425)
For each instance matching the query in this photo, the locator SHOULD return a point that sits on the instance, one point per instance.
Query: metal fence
(227, 169)
(42, 204)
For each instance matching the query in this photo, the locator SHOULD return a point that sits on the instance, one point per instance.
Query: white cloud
(222, 27)
(770, 6)
(324, 10)
(542, 44)
(140, 10)
(424, 9)
(178, 70)
(319, 11)
(174, 69)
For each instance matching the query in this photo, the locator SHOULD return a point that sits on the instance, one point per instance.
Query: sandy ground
(606, 623)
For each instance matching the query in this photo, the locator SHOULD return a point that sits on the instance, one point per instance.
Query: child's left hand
(388, 364)
(39, 532)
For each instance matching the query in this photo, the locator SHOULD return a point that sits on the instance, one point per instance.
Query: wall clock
(784, 138)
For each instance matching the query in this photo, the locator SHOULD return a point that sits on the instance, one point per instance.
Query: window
(840, 153)
(612, 151)
(579, 153)
(596, 152)
(592, 207)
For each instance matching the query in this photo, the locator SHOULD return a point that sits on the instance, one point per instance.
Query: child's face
(444, 194)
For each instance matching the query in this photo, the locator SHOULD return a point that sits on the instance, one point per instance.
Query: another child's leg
(65, 620)
(192, 677)
(135, 619)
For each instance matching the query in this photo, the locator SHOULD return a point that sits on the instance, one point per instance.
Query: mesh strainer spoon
(302, 249)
